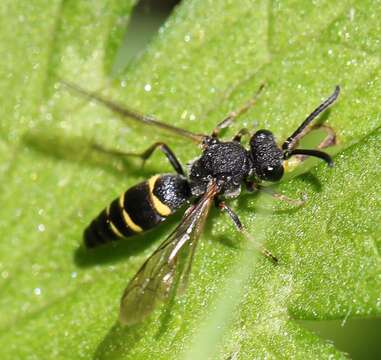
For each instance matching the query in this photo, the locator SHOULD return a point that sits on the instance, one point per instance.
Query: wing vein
(166, 271)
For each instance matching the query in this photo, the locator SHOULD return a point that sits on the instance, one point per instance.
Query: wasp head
(266, 156)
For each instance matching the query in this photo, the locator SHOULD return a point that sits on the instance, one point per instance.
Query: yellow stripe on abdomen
(112, 226)
(127, 219)
(162, 209)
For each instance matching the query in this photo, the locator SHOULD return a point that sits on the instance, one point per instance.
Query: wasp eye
(272, 173)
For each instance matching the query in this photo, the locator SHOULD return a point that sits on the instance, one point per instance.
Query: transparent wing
(125, 112)
(166, 271)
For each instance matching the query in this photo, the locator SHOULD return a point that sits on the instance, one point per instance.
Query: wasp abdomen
(140, 208)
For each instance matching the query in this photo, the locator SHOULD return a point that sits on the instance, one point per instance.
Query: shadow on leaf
(82, 151)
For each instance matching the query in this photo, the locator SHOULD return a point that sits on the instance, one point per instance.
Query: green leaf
(208, 59)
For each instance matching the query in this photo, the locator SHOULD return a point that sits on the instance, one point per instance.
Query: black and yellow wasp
(219, 173)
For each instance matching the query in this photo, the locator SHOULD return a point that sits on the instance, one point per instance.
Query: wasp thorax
(225, 162)
(267, 157)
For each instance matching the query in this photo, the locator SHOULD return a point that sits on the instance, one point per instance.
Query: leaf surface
(208, 59)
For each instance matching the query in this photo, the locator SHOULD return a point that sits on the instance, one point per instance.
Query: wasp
(216, 175)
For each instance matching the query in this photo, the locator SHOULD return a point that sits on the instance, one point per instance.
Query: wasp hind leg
(145, 155)
(237, 222)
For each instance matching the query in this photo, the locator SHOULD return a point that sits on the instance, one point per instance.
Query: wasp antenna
(125, 112)
(316, 153)
(289, 144)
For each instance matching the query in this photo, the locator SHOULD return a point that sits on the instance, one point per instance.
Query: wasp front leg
(240, 134)
(251, 186)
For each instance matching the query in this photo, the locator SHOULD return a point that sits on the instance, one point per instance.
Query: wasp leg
(225, 123)
(237, 222)
(251, 186)
(330, 139)
(241, 133)
(223, 207)
(145, 155)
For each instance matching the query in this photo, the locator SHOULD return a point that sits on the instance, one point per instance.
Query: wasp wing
(166, 270)
(125, 112)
